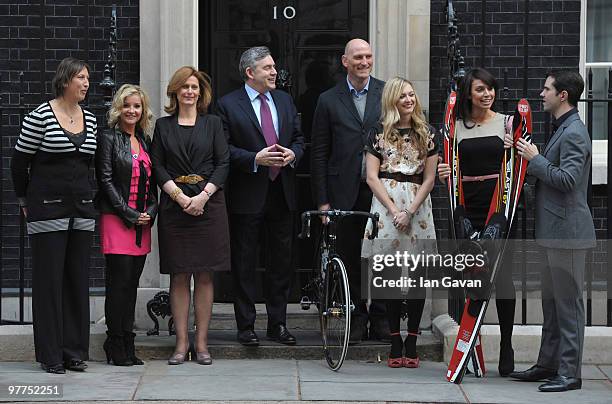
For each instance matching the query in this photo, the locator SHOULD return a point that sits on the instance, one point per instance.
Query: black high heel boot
(115, 351)
(505, 313)
(506, 360)
(130, 349)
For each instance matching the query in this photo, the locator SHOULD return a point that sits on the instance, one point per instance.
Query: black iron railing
(456, 71)
(15, 111)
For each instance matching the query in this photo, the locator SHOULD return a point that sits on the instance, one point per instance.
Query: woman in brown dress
(191, 161)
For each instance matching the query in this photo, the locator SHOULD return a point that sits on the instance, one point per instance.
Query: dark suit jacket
(338, 140)
(247, 190)
(563, 218)
(205, 154)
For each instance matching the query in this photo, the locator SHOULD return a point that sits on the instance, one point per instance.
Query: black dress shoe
(57, 369)
(533, 374)
(281, 334)
(248, 338)
(76, 365)
(561, 383)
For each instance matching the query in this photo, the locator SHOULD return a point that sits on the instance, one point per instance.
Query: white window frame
(600, 147)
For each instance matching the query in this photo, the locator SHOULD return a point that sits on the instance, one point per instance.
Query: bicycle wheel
(335, 314)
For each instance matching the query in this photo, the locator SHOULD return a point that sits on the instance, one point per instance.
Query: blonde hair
(390, 116)
(127, 90)
(176, 82)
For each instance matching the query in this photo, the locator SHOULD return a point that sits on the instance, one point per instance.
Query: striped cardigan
(52, 176)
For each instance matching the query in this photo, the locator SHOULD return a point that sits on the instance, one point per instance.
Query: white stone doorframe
(399, 35)
(168, 40)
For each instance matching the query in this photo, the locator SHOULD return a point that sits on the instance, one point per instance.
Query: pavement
(288, 381)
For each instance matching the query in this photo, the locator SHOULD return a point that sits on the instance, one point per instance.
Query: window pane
(599, 31)
(600, 109)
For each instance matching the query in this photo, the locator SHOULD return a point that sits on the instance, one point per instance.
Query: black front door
(307, 39)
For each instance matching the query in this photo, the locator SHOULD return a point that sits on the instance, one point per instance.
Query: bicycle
(330, 285)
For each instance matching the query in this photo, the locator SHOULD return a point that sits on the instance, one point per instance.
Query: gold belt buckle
(190, 179)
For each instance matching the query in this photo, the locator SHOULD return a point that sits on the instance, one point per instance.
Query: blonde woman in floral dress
(401, 168)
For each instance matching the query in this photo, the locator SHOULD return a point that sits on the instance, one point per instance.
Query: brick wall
(81, 28)
(553, 41)
(34, 36)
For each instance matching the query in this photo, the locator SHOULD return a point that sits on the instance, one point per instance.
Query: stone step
(223, 318)
(223, 345)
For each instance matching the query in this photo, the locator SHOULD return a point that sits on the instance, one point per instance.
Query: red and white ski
(499, 220)
(455, 195)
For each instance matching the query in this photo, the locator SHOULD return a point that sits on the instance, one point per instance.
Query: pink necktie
(267, 127)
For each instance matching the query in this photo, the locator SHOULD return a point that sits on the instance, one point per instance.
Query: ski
(493, 241)
(456, 201)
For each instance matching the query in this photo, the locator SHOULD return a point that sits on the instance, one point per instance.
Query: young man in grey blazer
(564, 227)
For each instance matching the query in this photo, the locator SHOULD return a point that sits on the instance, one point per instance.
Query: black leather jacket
(114, 174)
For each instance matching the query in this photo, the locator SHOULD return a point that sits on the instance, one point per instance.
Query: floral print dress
(403, 159)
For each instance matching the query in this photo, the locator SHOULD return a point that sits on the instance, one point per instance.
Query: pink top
(115, 237)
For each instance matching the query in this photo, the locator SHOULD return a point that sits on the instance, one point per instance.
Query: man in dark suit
(343, 119)
(266, 144)
(564, 227)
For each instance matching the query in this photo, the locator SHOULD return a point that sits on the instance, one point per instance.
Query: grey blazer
(562, 217)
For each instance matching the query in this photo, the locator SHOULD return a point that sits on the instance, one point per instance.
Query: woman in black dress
(482, 135)
(190, 160)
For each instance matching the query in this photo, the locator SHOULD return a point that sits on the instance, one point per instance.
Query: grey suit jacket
(562, 217)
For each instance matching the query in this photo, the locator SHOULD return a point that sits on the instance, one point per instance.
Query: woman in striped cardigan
(52, 170)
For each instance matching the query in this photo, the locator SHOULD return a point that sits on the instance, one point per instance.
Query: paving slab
(360, 380)
(360, 371)
(507, 391)
(155, 387)
(407, 392)
(607, 370)
(96, 384)
(226, 367)
(219, 402)
(590, 372)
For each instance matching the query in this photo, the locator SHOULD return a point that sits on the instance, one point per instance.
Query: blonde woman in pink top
(128, 204)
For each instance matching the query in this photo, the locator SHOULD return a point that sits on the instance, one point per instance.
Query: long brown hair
(176, 82)
(390, 116)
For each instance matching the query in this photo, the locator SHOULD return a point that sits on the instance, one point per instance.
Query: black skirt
(193, 243)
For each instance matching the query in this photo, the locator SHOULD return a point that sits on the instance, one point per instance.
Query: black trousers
(122, 276)
(275, 223)
(60, 295)
(350, 236)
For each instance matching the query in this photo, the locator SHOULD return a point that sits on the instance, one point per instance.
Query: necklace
(67, 114)
(135, 154)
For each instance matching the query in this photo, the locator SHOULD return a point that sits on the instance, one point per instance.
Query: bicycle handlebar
(335, 214)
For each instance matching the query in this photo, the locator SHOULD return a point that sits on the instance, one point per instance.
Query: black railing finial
(108, 83)
(456, 61)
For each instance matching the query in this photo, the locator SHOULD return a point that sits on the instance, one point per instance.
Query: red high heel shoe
(411, 362)
(395, 362)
